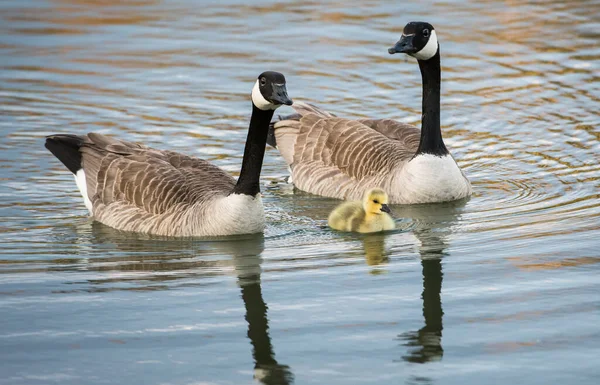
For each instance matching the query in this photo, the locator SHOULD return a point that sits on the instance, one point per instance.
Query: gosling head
(375, 202)
(269, 92)
(418, 40)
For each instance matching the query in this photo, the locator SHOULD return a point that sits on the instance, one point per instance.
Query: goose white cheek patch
(430, 48)
(260, 101)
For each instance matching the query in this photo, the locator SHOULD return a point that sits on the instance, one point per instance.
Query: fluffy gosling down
(369, 216)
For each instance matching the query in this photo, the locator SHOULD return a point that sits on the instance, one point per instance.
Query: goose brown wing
(130, 174)
(332, 156)
(407, 135)
(336, 157)
(349, 145)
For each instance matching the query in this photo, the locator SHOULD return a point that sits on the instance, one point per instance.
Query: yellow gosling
(369, 216)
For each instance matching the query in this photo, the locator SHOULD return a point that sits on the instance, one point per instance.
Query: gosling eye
(263, 81)
(426, 32)
(375, 201)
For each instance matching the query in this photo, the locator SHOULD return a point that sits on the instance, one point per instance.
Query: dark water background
(501, 289)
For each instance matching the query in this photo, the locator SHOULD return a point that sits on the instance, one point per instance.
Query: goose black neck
(249, 181)
(431, 134)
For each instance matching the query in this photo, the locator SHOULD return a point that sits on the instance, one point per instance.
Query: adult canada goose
(369, 216)
(341, 158)
(132, 187)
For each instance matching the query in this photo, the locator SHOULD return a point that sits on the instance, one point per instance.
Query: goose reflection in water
(432, 230)
(179, 258)
(266, 368)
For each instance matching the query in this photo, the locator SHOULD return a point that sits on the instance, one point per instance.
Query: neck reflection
(266, 368)
(425, 344)
(433, 230)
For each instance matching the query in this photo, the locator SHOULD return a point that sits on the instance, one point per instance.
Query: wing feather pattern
(339, 157)
(136, 188)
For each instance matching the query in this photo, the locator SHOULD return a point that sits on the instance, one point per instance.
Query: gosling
(369, 216)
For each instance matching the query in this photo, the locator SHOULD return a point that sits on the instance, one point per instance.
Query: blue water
(502, 288)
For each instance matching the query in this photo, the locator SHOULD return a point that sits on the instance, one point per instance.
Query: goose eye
(375, 201)
(426, 32)
(263, 81)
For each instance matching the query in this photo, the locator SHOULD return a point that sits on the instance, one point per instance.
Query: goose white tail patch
(430, 48)
(81, 184)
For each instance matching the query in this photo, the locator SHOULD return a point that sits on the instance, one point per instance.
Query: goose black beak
(280, 95)
(386, 209)
(404, 45)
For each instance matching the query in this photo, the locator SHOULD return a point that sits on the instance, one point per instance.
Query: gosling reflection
(374, 248)
(266, 368)
(432, 230)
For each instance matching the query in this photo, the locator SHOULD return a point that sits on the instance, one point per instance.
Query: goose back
(339, 157)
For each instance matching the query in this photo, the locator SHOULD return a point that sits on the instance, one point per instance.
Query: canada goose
(132, 187)
(367, 216)
(340, 158)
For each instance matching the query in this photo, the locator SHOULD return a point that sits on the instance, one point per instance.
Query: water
(501, 288)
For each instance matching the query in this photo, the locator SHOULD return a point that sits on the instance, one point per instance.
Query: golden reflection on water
(537, 263)
(374, 248)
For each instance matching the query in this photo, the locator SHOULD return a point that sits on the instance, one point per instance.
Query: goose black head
(418, 40)
(269, 92)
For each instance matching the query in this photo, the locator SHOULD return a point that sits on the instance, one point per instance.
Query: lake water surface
(503, 288)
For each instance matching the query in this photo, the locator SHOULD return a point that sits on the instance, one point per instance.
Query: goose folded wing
(406, 134)
(133, 175)
(332, 156)
(348, 146)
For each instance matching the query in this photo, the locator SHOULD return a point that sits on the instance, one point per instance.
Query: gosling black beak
(280, 95)
(404, 45)
(386, 209)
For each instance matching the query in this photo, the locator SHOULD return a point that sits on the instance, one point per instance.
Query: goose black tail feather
(271, 141)
(66, 148)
